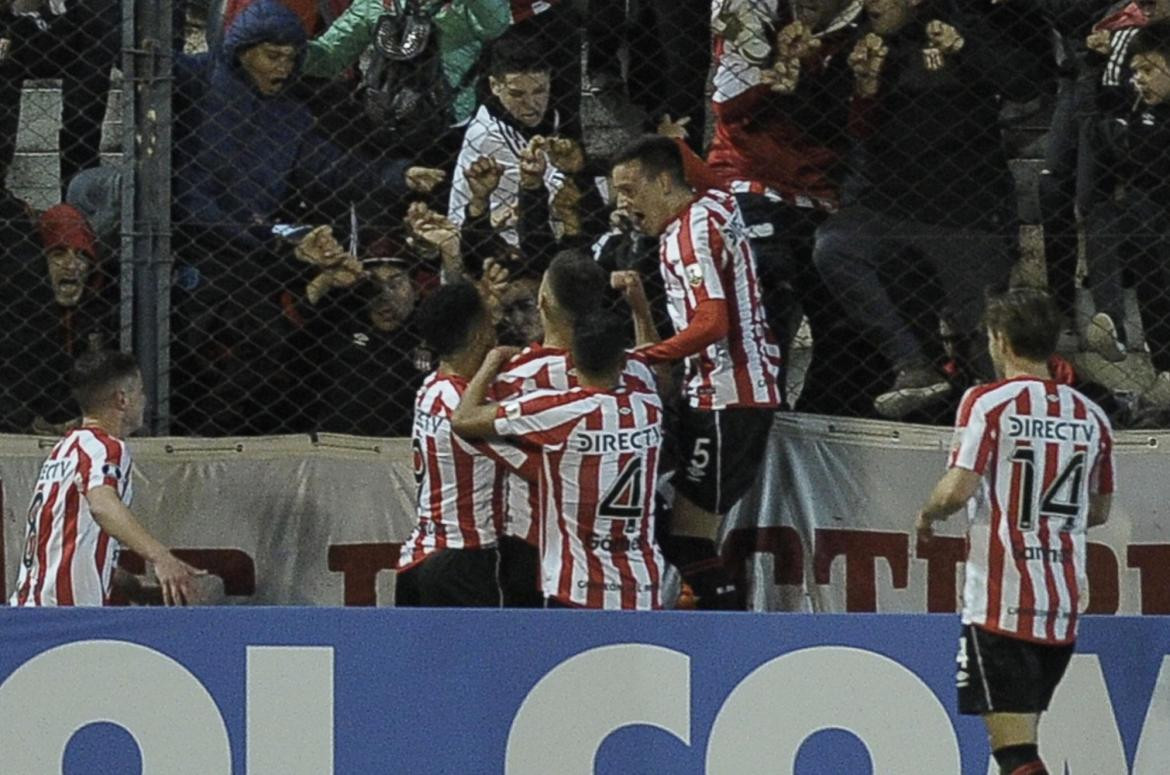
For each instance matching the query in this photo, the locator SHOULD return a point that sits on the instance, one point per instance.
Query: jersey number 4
(624, 498)
(1067, 483)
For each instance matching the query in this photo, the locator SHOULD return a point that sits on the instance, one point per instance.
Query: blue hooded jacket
(240, 155)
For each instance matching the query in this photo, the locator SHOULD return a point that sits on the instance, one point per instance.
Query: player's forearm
(709, 324)
(474, 418)
(950, 494)
(114, 518)
(645, 332)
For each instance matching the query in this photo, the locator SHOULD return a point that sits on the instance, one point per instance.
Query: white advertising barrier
(318, 521)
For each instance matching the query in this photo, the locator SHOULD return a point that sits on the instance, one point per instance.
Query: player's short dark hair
(448, 316)
(656, 154)
(599, 342)
(96, 372)
(1154, 39)
(577, 282)
(516, 53)
(1027, 318)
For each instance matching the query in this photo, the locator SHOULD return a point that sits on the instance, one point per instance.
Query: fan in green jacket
(463, 27)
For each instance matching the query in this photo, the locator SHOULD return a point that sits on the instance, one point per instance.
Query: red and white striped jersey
(546, 368)
(460, 486)
(1042, 449)
(68, 558)
(598, 471)
(705, 254)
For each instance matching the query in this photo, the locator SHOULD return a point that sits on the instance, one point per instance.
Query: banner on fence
(318, 521)
(280, 691)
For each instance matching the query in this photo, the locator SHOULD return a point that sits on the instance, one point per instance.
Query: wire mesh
(332, 162)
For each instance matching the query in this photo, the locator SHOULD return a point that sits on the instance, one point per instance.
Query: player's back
(1043, 449)
(535, 368)
(68, 560)
(458, 486)
(598, 487)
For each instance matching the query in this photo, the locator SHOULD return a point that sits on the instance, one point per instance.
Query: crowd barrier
(283, 691)
(318, 520)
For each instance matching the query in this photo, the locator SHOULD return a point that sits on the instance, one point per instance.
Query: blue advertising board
(354, 691)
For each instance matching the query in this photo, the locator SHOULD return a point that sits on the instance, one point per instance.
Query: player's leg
(520, 573)
(1013, 742)
(720, 455)
(1009, 683)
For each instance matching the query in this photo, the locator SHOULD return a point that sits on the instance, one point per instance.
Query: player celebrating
(1033, 463)
(80, 513)
(451, 558)
(732, 359)
(573, 286)
(601, 443)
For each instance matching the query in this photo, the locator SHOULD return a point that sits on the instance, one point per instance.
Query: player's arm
(475, 416)
(629, 282)
(708, 325)
(956, 487)
(174, 576)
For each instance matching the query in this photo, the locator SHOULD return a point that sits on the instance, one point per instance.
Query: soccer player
(573, 286)
(451, 558)
(80, 514)
(1033, 463)
(732, 360)
(600, 445)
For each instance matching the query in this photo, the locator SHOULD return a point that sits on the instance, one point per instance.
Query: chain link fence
(327, 163)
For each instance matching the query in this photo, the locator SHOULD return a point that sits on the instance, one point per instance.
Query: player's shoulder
(95, 442)
(981, 398)
(440, 393)
(716, 203)
(1091, 408)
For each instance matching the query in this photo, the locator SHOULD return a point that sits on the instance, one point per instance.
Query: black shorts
(456, 578)
(719, 454)
(1000, 674)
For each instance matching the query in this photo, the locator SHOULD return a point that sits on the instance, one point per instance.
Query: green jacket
(463, 27)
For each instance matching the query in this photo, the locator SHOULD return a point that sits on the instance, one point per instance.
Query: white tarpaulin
(293, 520)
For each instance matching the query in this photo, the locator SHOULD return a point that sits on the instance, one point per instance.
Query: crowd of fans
(335, 162)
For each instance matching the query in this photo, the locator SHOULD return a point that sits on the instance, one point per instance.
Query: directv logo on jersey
(1051, 430)
(620, 441)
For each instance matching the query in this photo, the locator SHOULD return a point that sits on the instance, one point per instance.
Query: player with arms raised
(732, 360)
(1033, 463)
(600, 445)
(80, 512)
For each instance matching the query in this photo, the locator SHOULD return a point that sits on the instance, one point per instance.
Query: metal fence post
(146, 197)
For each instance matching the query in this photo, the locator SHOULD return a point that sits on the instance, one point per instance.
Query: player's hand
(944, 40)
(498, 356)
(424, 180)
(867, 60)
(675, 129)
(483, 177)
(924, 527)
(629, 282)
(533, 163)
(796, 41)
(177, 580)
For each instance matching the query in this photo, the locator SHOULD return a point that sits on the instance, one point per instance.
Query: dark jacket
(929, 145)
(39, 340)
(239, 155)
(1136, 152)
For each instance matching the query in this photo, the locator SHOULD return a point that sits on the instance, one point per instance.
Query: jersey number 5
(1068, 481)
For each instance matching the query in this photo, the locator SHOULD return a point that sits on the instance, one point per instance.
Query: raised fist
(867, 60)
(782, 77)
(796, 41)
(533, 163)
(944, 40)
(483, 177)
(565, 154)
(1098, 41)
